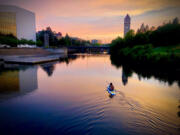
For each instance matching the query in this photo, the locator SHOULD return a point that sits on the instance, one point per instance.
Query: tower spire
(127, 24)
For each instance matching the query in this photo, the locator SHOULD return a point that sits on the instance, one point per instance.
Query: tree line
(54, 41)
(165, 35)
(11, 40)
(159, 47)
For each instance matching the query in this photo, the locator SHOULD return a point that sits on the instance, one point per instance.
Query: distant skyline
(97, 19)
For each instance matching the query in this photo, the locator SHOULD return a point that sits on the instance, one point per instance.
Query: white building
(17, 21)
(127, 24)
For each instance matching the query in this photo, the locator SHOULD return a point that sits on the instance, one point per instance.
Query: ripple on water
(143, 118)
(85, 116)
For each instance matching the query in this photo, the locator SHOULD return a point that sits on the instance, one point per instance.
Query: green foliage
(8, 40)
(53, 41)
(25, 41)
(116, 45)
(13, 41)
(156, 47)
(63, 41)
(165, 35)
(67, 40)
(129, 38)
(168, 34)
(141, 38)
(39, 43)
(147, 53)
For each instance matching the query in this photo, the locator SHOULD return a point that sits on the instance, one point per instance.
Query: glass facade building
(8, 23)
(17, 21)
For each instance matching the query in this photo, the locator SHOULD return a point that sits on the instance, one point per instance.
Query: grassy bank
(148, 53)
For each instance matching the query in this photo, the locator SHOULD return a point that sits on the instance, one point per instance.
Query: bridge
(88, 49)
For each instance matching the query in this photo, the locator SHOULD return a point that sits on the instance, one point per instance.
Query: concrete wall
(24, 51)
(25, 22)
(58, 51)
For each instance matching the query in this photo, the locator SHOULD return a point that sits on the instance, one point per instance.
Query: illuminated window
(8, 23)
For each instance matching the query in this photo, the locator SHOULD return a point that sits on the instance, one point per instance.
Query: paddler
(111, 87)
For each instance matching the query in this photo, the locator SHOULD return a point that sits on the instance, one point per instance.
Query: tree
(175, 21)
(129, 38)
(166, 35)
(143, 28)
(67, 40)
(39, 43)
(53, 41)
(8, 39)
(116, 45)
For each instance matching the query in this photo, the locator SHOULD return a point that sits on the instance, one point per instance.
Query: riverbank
(162, 63)
(31, 55)
(147, 54)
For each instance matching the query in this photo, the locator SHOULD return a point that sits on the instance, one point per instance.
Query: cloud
(72, 8)
(97, 18)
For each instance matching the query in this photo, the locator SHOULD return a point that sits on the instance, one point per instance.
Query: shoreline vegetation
(158, 48)
(12, 41)
(54, 41)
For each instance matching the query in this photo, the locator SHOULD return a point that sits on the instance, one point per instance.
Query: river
(70, 97)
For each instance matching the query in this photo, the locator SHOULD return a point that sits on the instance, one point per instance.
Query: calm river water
(70, 97)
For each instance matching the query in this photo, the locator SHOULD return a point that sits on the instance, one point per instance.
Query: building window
(8, 23)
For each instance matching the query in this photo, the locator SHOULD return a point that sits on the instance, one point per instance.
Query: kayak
(111, 92)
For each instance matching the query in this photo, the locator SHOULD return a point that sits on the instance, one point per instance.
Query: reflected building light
(8, 23)
(16, 82)
(124, 78)
(28, 79)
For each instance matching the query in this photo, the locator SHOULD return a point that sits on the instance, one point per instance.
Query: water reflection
(49, 68)
(17, 80)
(69, 59)
(124, 77)
(73, 100)
(167, 74)
(111, 96)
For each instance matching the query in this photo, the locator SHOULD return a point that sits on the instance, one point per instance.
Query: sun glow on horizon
(98, 19)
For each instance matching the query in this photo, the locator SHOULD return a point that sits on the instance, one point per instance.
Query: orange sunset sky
(97, 19)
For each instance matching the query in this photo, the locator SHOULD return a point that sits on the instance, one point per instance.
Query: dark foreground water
(69, 97)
